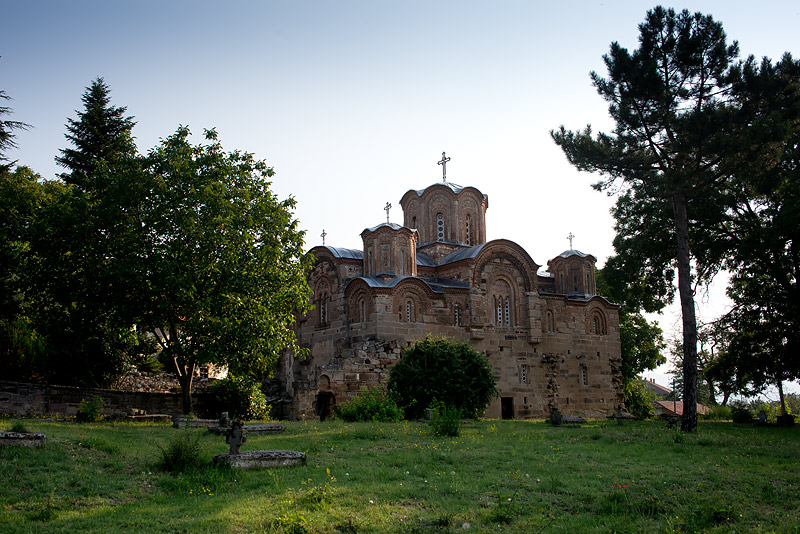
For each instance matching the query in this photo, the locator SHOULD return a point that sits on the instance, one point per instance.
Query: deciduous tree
(222, 262)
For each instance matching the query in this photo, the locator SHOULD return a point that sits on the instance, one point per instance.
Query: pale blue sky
(353, 102)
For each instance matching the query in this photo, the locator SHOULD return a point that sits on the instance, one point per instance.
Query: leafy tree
(222, 260)
(641, 341)
(22, 194)
(764, 323)
(439, 370)
(682, 128)
(7, 134)
(639, 399)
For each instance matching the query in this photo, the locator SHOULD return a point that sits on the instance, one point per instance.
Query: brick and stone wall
(25, 399)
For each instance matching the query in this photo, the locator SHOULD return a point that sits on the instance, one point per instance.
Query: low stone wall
(17, 398)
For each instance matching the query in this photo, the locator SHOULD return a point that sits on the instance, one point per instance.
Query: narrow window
(414, 221)
(507, 312)
(363, 309)
(409, 311)
(440, 227)
(468, 230)
(457, 315)
(523, 374)
(584, 375)
(549, 322)
(323, 309)
(595, 326)
(500, 311)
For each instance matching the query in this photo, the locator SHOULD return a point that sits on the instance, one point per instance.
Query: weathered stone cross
(386, 209)
(443, 163)
(322, 235)
(571, 236)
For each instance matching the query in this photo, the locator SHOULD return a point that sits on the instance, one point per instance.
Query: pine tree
(101, 136)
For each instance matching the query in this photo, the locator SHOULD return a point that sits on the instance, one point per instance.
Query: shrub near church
(442, 372)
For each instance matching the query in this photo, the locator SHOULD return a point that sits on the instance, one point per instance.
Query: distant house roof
(664, 407)
(660, 391)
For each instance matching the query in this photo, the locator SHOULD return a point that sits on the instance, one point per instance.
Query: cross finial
(386, 208)
(571, 236)
(443, 163)
(322, 235)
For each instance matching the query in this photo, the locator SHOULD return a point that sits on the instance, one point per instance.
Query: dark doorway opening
(507, 407)
(325, 401)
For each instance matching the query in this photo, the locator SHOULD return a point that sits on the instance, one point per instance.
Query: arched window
(409, 311)
(457, 315)
(439, 227)
(362, 308)
(414, 221)
(584, 375)
(550, 327)
(597, 323)
(502, 306)
(523, 374)
(468, 230)
(323, 309)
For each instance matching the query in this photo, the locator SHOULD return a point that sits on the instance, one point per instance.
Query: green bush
(741, 414)
(373, 404)
(718, 413)
(89, 410)
(18, 426)
(181, 453)
(445, 420)
(639, 399)
(240, 397)
(437, 369)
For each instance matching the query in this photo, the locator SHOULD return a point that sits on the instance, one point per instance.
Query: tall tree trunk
(186, 390)
(185, 374)
(780, 394)
(689, 420)
(712, 393)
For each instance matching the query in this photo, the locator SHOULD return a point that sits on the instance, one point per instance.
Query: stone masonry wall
(24, 399)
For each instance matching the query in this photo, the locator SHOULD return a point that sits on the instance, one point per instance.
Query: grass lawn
(497, 476)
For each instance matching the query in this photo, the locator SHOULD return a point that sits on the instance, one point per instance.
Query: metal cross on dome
(443, 163)
(386, 209)
(571, 236)
(322, 235)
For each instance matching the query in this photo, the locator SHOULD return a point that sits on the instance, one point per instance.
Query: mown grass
(496, 476)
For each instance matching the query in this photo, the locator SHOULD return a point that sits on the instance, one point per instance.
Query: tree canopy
(185, 249)
(222, 259)
(688, 117)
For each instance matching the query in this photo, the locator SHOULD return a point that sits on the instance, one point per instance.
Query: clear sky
(353, 102)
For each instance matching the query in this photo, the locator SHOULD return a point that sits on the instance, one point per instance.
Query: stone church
(552, 342)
